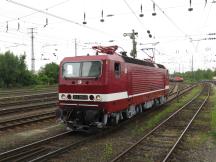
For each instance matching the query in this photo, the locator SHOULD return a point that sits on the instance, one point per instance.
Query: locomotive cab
(84, 88)
(80, 84)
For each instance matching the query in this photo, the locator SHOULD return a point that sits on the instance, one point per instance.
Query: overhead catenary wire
(21, 20)
(56, 16)
(30, 14)
(40, 38)
(180, 6)
(132, 11)
(163, 12)
(15, 43)
(65, 2)
(204, 23)
(60, 3)
(10, 25)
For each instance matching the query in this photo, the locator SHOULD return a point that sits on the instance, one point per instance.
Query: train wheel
(114, 120)
(126, 114)
(117, 117)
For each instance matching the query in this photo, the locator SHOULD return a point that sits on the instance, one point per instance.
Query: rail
(44, 155)
(26, 120)
(126, 151)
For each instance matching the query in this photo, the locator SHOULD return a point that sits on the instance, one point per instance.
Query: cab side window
(117, 69)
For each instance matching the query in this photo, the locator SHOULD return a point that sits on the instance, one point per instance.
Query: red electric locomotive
(176, 79)
(100, 90)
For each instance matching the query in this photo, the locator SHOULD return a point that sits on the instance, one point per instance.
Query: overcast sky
(177, 33)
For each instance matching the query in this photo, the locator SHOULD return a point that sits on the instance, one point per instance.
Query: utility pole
(134, 43)
(75, 47)
(32, 50)
(179, 68)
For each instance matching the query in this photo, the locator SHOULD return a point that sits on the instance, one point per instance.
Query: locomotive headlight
(98, 98)
(68, 96)
(91, 97)
(63, 96)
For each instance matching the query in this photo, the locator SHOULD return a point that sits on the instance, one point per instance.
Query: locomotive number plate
(80, 97)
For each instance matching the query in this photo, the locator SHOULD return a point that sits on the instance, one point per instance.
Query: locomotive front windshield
(81, 69)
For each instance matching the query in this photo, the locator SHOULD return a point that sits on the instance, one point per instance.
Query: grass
(156, 118)
(108, 150)
(213, 112)
(195, 140)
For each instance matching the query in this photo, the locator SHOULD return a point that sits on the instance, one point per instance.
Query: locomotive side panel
(117, 82)
(147, 83)
(116, 77)
(146, 79)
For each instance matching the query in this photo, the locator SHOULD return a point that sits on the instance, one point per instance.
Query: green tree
(49, 74)
(197, 75)
(208, 74)
(8, 69)
(214, 73)
(13, 71)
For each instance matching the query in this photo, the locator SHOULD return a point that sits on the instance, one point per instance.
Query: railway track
(20, 92)
(17, 100)
(180, 92)
(178, 87)
(28, 119)
(26, 107)
(40, 151)
(8, 105)
(159, 143)
(44, 149)
(33, 149)
(10, 123)
(172, 87)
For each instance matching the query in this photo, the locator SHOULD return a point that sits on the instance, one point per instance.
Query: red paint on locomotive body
(121, 83)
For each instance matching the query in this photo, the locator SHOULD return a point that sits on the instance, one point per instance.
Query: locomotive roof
(93, 57)
(141, 62)
(115, 57)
